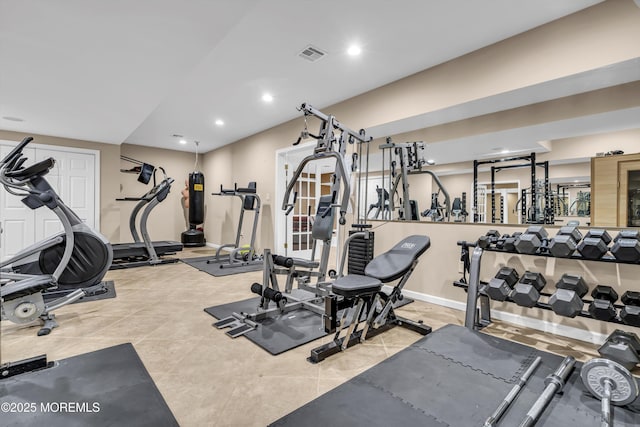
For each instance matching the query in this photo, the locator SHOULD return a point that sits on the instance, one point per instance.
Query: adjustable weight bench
(365, 292)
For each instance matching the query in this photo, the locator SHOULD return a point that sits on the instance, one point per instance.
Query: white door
(18, 221)
(301, 218)
(74, 177)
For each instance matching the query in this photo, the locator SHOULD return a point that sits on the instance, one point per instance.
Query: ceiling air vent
(311, 53)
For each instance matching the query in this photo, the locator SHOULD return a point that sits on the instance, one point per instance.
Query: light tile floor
(207, 378)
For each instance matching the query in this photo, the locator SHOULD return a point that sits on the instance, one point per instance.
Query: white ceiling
(140, 71)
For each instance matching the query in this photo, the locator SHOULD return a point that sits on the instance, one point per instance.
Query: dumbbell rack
(478, 311)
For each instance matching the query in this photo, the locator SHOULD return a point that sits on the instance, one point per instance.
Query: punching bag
(194, 236)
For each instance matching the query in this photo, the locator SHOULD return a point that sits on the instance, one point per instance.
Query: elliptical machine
(74, 259)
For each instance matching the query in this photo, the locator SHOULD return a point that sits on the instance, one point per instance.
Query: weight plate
(624, 388)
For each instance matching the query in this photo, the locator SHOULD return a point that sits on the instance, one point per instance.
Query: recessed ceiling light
(219, 122)
(13, 119)
(354, 50)
(267, 97)
(431, 162)
(504, 152)
(183, 141)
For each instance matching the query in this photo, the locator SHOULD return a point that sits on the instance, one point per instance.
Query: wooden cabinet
(615, 191)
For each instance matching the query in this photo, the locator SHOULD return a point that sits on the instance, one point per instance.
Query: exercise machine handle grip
(18, 149)
(291, 205)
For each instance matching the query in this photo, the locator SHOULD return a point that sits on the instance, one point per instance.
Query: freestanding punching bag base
(194, 237)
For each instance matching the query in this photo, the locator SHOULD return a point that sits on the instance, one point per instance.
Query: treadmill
(145, 251)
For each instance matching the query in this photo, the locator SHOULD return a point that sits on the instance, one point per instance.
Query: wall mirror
(573, 119)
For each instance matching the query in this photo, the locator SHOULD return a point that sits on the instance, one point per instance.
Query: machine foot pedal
(240, 330)
(239, 325)
(227, 322)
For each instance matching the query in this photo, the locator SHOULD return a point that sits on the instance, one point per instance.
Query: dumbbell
(630, 313)
(611, 383)
(531, 240)
(601, 307)
(490, 238)
(626, 246)
(565, 242)
(567, 300)
(622, 347)
(595, 244)
(507, 242)
(501, 285)
(527, 291)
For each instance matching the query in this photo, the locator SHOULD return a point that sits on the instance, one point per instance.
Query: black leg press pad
(280, 332)
(453, 377)
(113, 378)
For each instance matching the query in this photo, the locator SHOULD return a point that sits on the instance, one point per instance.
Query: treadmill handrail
(157, 193)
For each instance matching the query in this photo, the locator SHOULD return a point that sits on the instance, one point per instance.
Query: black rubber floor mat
(109, 387)
(103, 290)
(488, 355)
(353, 397)
(219, 269)
(281, 332)
(448, 377)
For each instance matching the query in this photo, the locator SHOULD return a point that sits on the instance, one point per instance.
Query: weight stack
(360, 253)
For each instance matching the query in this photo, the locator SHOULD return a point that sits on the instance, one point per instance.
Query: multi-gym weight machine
(409, 157)
(328, 146)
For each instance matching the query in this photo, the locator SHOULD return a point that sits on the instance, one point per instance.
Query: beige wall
(109, 176)
(590, 103)
(167, 220)
(251, 159)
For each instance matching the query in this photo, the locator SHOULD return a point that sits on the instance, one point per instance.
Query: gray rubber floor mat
(449, 376)
(282, 332)
(108, 387)
(103, 290)
(390, 411)
(279, 333)
(220, 269)
(488, 355)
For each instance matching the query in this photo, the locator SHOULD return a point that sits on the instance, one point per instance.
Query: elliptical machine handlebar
(16, 178)
(17, 150)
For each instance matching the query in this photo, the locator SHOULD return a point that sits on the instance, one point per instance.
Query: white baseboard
(541, 325)
(213, 245)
